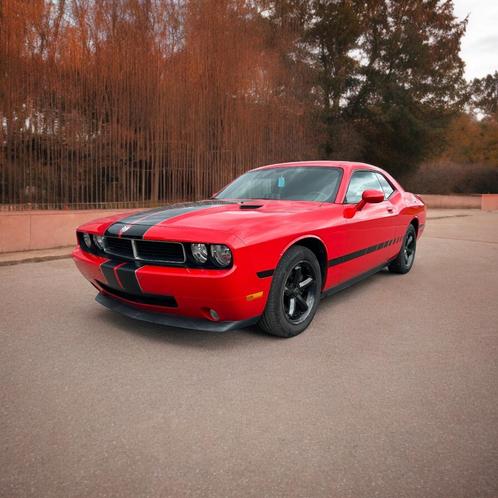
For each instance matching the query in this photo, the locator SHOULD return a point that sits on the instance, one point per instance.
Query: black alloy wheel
(298, 295)
(409, 248)
(294, 294)
(405, 258)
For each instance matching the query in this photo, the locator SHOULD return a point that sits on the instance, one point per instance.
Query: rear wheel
(404, 261)
(294, 294)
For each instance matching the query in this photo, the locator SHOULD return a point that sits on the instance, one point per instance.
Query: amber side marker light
(256, 295)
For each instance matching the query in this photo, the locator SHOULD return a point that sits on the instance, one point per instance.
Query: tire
(285, 314)
(404, 260)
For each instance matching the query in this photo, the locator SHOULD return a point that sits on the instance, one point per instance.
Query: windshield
(310, 183)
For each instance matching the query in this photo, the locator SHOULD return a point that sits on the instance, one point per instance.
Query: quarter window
(361, 181)
(386, 186)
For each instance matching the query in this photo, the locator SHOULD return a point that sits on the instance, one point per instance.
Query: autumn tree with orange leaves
(106, 101)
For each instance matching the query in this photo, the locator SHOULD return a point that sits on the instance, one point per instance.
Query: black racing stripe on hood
(155, 216)
(129, 231)
(139, 223)
(135, 218)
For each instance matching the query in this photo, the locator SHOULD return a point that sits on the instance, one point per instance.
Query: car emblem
(125, 229)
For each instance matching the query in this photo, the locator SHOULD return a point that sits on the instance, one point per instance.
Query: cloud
(480, 43)
(486, 43)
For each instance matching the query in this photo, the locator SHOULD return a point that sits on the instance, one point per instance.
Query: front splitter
(172, 320)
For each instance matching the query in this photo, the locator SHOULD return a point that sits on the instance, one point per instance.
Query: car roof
(330, 164)
(347, 166)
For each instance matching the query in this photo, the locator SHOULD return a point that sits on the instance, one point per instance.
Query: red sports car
(263, 250)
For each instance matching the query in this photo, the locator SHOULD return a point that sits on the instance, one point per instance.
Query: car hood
(236, 217)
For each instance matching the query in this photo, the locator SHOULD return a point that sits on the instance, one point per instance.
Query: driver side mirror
(368, 197)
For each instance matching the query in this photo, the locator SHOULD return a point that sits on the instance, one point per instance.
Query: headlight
(98, 241)
(199, 252)
(87, 240)
(221, 255)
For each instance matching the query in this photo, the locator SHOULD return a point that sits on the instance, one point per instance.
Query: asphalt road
(393, 390)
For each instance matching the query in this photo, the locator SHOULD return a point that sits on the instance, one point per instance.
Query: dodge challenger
(263, 250)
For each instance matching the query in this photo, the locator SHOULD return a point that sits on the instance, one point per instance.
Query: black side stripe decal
(345, 257)
(128, 277)
(363, 252)
(108, 271)
(265, 273)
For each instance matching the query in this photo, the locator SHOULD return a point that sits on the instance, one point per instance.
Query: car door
(395, 200)
(367, 238)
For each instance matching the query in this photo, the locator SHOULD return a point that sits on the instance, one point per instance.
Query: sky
(480, 43)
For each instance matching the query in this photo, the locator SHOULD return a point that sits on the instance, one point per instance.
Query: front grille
(153, 299)
(145, 250)
(163, 252)
(118, 247)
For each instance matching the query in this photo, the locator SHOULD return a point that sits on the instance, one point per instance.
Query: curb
(34, 259)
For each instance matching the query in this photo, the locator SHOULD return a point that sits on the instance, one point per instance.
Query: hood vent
(250, 206)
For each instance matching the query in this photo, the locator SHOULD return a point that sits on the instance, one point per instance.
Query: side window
(386, 186)
(361, 181)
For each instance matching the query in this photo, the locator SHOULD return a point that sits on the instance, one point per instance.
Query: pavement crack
(464, 240)
(445, 217)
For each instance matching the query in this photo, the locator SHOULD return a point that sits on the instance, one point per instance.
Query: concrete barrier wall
(489, 202)
(452, 201)
(31, 230)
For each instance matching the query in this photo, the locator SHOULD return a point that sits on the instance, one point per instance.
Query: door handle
(390, 210)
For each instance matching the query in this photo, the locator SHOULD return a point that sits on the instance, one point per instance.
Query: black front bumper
(171, 320)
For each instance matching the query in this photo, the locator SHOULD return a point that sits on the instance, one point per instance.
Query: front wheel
(404, 260)
(294, 294)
